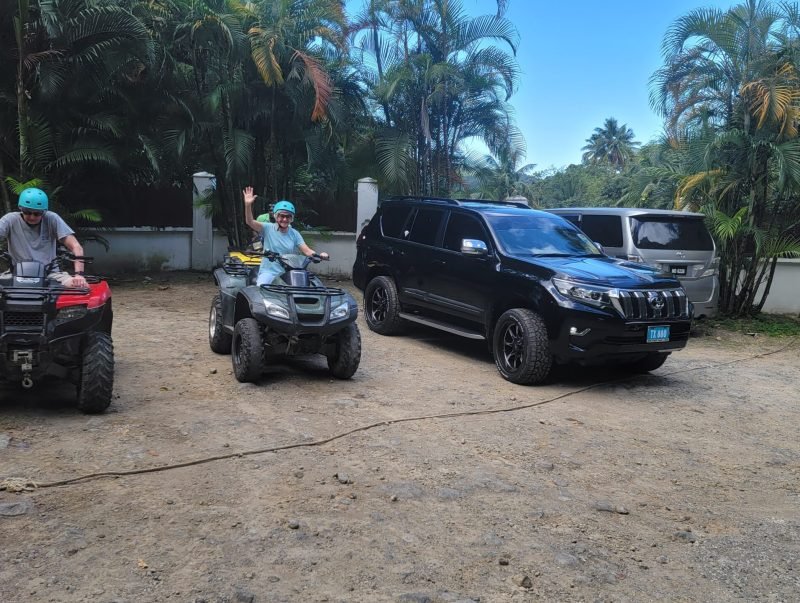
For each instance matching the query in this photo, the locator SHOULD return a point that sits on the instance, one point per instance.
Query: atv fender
(228, 282)
(250, 304)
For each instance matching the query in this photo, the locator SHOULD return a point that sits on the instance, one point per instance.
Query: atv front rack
(44, 292)
(289, 290)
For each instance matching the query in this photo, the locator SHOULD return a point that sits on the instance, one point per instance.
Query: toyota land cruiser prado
(531, 284)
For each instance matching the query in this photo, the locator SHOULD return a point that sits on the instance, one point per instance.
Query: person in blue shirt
(279, 237)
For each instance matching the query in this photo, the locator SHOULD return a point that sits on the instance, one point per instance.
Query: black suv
(528, 282)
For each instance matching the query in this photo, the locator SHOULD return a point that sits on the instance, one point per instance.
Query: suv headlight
(275, 310)
(600, 297)
(340, 311)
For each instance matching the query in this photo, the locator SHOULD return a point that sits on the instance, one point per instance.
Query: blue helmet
(33, 198)
(284, 206)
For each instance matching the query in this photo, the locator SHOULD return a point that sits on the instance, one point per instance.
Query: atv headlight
(599, 297)
(70, 313)
(275, 310)
(340, 311)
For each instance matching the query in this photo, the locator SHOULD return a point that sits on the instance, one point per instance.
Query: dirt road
(683, 485)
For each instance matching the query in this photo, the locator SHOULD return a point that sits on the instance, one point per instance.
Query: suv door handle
(439, 263)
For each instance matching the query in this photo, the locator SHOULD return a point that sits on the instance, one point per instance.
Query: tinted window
(606, 230)
(574, 218)
(426, 226)
(540, 235)
(690, 234)
(462, 226)
(393, 219)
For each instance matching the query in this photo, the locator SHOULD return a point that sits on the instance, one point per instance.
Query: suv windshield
(655, 232)
(537, 234)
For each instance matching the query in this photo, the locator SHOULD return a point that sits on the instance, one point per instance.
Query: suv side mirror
(600, 247)
(474, 247)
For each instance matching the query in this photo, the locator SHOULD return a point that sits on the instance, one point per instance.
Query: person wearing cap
(34, 232)
(279, 237)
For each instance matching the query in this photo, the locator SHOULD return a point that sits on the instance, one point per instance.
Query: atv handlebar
(66, 256)
(273, 256)
(55, 264)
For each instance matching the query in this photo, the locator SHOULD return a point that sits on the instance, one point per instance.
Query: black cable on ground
(344, 434)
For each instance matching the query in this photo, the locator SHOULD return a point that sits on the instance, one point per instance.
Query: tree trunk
(22, 98)
(6, 200)
(773, 264)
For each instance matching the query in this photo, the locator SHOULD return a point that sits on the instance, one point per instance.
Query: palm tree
(440, 80)
(503, 176)
(709, 55)
(291, 43)
(69, 54)
(730, 88)
(610, 144)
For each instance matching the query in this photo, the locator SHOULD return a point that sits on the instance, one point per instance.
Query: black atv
(48, 330)
(294, 315)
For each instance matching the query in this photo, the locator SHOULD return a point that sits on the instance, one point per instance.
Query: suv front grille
(660, 303)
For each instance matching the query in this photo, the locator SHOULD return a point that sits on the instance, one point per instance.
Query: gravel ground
(425, 478)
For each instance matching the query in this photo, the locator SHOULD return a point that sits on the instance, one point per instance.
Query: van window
(393, 219)
(426, 226)
(574, 218)
(667, 232)
(459, 227)
(606, 230)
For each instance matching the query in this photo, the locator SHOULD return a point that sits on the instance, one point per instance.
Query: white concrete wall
(784, 293)
(154, 249)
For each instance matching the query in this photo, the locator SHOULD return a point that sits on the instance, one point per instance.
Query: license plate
(656, 334)
(679, 270)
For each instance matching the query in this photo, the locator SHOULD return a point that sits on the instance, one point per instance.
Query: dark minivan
(531, 284)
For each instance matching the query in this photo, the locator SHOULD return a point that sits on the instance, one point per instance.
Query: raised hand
(248, 195)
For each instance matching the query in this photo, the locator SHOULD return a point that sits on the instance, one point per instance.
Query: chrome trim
(634, 303)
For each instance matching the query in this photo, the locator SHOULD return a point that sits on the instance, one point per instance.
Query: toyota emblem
(656, 301)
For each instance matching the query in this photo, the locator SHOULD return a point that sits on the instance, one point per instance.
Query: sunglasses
(29, 212)
(289, 217)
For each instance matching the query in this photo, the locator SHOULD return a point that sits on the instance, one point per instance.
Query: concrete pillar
(202, 232)
(367, 202)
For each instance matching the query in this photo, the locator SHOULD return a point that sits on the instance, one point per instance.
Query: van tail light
(635, 258)
(713, 268)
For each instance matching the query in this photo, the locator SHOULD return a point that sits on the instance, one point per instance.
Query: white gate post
(202, 232)
(367, 202)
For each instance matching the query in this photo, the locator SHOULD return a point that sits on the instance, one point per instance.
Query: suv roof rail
(493, 202)
(422, 199)
(459, 201)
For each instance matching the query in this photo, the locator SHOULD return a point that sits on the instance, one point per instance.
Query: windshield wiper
(551, 255)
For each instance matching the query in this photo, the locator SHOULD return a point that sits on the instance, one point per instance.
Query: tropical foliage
(106, 102)
(611, 145)
(438, 78)
(107, 97)
(730, 93)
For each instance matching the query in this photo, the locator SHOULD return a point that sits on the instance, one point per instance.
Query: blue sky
(581, 62)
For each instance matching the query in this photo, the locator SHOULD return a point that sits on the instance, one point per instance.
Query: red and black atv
(48, 330)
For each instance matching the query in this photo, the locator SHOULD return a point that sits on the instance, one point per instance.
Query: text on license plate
(679, 270)
(655, 334)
